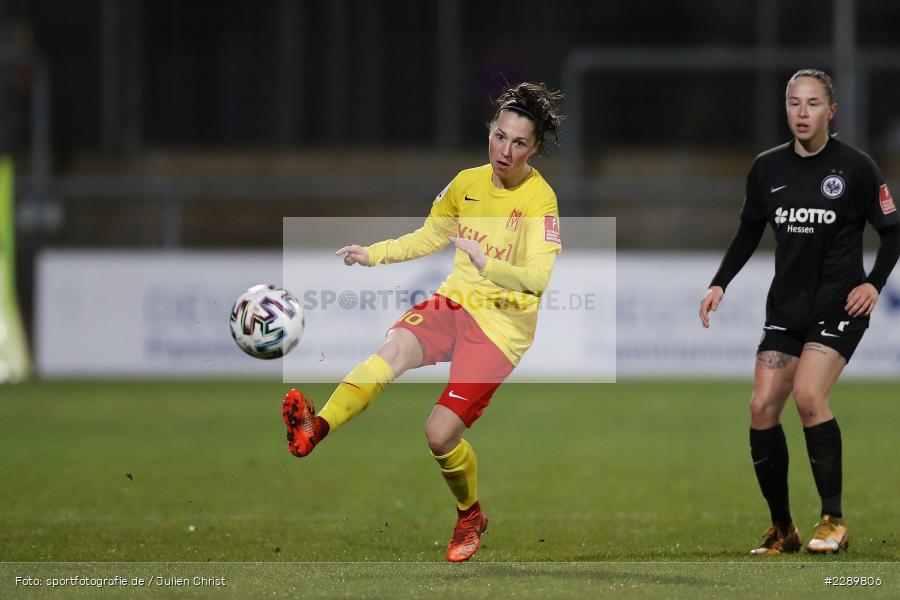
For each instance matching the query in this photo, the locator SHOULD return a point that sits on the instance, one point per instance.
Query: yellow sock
(357, 391)
(460, 470)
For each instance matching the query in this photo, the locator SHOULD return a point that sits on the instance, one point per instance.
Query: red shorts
(447, 332)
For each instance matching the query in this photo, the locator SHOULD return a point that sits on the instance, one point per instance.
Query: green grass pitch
(627, 490)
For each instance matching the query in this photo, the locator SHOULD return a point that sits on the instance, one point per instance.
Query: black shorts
(843, 336)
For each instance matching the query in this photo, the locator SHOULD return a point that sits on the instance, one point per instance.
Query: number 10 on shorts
(412, 318)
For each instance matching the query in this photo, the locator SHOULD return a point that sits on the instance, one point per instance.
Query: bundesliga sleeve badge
(885, 199)
(551, 230)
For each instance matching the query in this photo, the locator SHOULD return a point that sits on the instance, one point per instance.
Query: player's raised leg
(817, 371)
(399, 353)
(772, 384)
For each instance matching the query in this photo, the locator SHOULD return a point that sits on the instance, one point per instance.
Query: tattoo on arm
(770, 359)
(815, 347)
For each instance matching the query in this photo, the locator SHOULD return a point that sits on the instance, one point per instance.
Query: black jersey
(818, 207)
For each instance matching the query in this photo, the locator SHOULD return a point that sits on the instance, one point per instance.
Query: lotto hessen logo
(804, 215)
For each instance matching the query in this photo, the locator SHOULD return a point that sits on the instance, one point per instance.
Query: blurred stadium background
(145, 135)
(177, 126)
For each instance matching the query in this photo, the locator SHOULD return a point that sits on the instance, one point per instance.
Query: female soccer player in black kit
(817, 194)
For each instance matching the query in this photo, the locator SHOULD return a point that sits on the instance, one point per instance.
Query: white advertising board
(660, 333)
(164, 314)
(153, 314)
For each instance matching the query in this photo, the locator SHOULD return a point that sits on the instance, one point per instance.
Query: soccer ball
(266, 321)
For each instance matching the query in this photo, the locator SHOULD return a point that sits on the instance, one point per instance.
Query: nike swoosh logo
(774, 328)
(472, 199)
(453, 394)
(762, 460)
(776, 189)
(826, 334)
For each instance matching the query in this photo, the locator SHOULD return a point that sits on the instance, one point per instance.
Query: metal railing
(579, 63)
(43, 196)
(171, 193)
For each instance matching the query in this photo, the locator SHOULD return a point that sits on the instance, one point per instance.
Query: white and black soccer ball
(266, 321)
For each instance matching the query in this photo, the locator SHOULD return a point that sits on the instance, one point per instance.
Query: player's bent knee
(810, 412)
(763, 404)
(440, 440)
(765, 411)
(811, 404)
(437, 443)
(807, 396)
(401, 350)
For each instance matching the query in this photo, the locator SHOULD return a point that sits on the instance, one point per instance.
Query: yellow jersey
(518, 230)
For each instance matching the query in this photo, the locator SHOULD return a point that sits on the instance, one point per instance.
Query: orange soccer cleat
(470, 525)
(304, 428)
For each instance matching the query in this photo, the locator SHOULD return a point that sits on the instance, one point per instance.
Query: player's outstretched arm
(428, 239)
(354, 254)
(710, 302)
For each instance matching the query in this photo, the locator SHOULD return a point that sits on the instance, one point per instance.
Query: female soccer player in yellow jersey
(504, 221)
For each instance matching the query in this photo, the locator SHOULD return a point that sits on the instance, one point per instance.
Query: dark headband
(519, 108)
